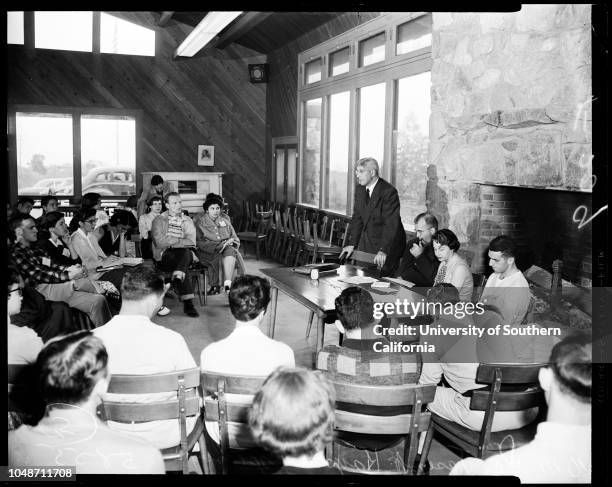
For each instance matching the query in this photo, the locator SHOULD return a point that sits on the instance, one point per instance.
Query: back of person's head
(90, 200)
(156, 179)
(430, 220)
(293, 413)
(16, 222)
(123, 217)
(141, 282)
(248, 297)
(132, 201)
(49, 220)
(447, 237)
(355, 308)
(443, 293)
(368, 163)
(503, 244)
(571, 361)
(44, 201)
(84, 214)
(212, 199)
(70, 367)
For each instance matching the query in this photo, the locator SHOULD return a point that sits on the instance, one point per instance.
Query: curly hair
(249, 296)
(355, 308)
(70, 367)
(293, 413)
(212, 199)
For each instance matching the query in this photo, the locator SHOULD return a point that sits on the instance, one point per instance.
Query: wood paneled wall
(281, 97)
(203, 100)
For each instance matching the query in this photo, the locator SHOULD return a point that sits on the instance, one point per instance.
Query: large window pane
(291, 174)
(372, 122)
(280, 174)
(412, 140)
(372, 50)
(71, 31)
(339, 62)
(311, 165)
(339, 113)
(44, 153)
(313, 71)
(108, 155)
(14, 27)
(414, 35)
(118, 36)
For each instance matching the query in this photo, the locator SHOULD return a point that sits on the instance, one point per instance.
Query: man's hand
(348, 250)
(380, 259)
(74, 272)
(416, 250)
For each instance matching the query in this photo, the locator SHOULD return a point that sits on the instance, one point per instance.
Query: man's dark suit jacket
(377, 225)
(422, 270)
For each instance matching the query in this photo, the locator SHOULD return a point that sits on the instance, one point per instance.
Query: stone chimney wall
(511, 107)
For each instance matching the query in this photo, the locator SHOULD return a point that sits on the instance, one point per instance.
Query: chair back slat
(511, 373)
(237, 412)
(374, 395)
(234, 384)
(508, 401)
(379, 425)
(146, 384)
(126, 412)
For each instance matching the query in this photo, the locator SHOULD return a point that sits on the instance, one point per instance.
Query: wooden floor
(216, 322)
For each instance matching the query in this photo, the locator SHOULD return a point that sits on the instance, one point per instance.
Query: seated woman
(217, 242)
(91, 200)
(113, 234)
(453, 268)
(293, 417)
(145, 222)
(58, 246)
(73, 377)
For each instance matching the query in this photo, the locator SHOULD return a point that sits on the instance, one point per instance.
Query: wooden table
(319, 295)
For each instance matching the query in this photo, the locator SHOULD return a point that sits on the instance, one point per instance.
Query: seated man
(561, 449)
(174, 237)
(54, 282)
(293, 417)
(361, 358)
(246, 351)
(136, 345)
(24, 206)
(419, 263)
(49, 204)
(73, 377)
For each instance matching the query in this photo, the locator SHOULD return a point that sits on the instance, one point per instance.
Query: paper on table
(399, 281)
(359, 280)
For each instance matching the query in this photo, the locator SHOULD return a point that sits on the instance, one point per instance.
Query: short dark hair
(171, 193)
(85, 213)
(132, 201)
(447, 237)
(156, 179)
(44, 201)
(90, 200)
(430, 219)
(443, 293)
(153, 199)
(70, 367)
(503, 244)
(49, 220)
(571, 361)
(17, 221)
(355, 308)
(123, 217)
(140, 282)
(24, 199)
(293, 413)
(249, 296)
(212, 199)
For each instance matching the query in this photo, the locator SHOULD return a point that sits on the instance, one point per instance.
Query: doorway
(284, 184)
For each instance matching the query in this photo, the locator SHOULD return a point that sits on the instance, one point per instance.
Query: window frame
(76, 113)
(389, 71)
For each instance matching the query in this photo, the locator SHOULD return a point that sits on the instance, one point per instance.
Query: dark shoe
(213, 290)
(189, 309)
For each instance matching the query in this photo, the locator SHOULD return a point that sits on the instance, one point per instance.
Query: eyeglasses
(18, 290)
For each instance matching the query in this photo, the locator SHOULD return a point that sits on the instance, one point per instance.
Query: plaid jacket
(29, 263)
(358, 363)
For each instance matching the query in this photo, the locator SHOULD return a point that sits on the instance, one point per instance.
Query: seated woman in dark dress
(57, 246)
(293, 417)
(113, 234)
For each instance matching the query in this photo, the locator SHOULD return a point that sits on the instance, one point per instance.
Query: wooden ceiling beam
(240, 27)
(164, 18)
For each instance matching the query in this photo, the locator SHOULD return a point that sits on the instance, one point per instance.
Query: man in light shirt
(561, 449)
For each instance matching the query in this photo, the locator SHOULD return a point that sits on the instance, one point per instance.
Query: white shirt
(510, 295)
(136, 345)
(559, 453)
(23, 344)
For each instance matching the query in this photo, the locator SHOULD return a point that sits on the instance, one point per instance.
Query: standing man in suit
(376, 226)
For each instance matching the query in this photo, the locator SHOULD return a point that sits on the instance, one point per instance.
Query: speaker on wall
(258, 73)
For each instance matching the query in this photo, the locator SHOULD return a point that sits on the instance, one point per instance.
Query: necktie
(441, 274)
(367, 195)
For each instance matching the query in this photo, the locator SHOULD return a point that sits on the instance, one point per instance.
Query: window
(379, 107)
(71, 151)
(70, 31)
(14, 28)
(118, 36)
(313, 71)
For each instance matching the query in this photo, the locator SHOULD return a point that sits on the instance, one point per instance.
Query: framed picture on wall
(206, 155)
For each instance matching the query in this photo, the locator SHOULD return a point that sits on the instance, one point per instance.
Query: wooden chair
(259, 235)
(323, 247)
(480, 280)
(510, 387)
(406, 427)
(224, 410)
(185, 404)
